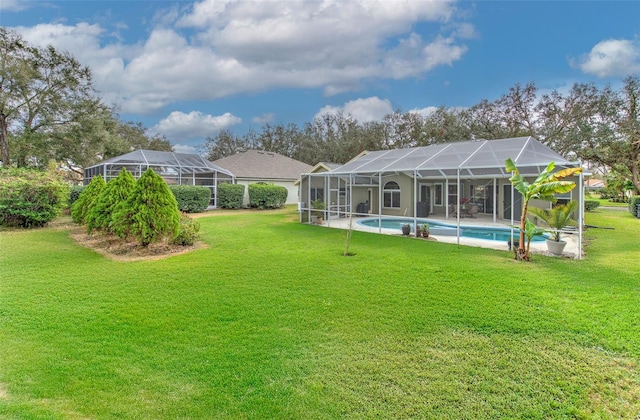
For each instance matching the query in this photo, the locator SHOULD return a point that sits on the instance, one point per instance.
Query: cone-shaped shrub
(151, 213)
(115, 192)
(81, 206)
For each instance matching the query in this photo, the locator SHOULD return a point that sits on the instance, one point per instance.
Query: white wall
(292, 197)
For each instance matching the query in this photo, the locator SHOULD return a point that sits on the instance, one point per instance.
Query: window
(438, 195)
(317, 194)
(391, 195)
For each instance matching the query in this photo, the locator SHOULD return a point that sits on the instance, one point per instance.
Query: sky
(188, 69)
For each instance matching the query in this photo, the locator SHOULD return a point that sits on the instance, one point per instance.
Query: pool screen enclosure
(434, 179)
(174, 168)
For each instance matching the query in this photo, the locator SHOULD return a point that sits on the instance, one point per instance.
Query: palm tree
(557, 218)
(545, 186)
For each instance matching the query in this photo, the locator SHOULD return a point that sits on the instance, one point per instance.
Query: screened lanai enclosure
(174, 168)
(448, 180)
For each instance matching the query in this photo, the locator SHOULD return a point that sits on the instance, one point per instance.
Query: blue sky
(189, 69)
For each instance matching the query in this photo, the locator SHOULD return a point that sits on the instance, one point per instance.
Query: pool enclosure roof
(469, 159)
(153, 158)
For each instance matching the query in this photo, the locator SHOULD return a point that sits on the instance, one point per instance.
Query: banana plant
(544, 187)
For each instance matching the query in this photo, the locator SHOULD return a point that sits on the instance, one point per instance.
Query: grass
(271, 321)
(604, 202)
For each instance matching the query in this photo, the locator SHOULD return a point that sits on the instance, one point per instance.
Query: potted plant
(557, 219)
(318, 210)
(425, 230)
(406, 229)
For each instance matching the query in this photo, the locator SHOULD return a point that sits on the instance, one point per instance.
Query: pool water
(439, 228)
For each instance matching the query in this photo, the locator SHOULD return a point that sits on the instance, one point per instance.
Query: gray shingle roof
(256, 164)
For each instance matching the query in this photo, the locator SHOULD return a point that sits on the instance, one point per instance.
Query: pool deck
(571, 250)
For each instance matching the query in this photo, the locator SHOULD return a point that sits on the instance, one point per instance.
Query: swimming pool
(444, 229)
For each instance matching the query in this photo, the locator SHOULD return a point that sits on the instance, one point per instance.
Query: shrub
(191, 198)
(267, 196)
(188, 231)
(74, 193)
(634, 200)
(590, 205)
(116, 191)
(230, 196)
(81, 206)
(30, 198)
(150, 213)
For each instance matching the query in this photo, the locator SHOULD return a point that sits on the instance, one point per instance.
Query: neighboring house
(255, 166)
(174, 168)
(420, 181)
(594, 184)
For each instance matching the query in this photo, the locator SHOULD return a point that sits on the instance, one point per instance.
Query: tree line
(49, 110)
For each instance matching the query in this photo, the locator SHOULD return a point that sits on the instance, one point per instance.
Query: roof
(473, 159)
(157, 158)
(257, 164)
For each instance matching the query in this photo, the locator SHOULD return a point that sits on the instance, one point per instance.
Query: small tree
(115, 192)
(150, 212)
(544, 187)
(80, 208)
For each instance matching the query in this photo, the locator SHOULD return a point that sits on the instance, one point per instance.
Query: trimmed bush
(30, 198)
(188, 231)
(230, 196)
(81, 206)
(590, 205)
(634, 200)
(74, 193)
(116, 191)
(150, 213)
(191, 198)
(267, 196)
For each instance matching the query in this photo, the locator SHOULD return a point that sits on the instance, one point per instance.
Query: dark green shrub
(188, 231)
(634, 200)
(30, 198)
(590, 205)
(116, 191)
(191, 198)
(267, 196)
(230, 196)
(150, 213)
(74, 193)
(81, 206)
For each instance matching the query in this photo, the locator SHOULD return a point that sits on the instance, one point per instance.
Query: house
(259, 166)
(433, 180)
(174, 168)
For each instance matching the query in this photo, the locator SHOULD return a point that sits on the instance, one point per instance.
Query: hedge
(634, 200)
(591, 205)
(191, 198)
(267, 196)
(83, 204)
(230, 196)
(30, 198)
(74, 193)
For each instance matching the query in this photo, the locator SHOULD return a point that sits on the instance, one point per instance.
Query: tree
(81, 207)
(150, 213)
(39, 89)
(116, 191)
(224, 144)
(544, 187)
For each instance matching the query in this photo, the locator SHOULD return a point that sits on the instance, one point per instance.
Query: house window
(438, 195)
(391, 195)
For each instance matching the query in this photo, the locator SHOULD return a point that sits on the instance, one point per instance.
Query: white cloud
(185, 148)
(424, 112)
(363, 110)
(179, 126)
(264, 118)
(610, 58)
(15, 5)
(218, 48)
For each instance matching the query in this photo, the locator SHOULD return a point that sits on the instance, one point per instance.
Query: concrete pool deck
(571, 250)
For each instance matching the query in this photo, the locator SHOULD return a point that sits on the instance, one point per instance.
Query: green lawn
(605, 201)
(270, 321)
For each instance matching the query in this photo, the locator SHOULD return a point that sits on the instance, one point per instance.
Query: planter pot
(425, 233)
(556, 247)
(406, 230)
